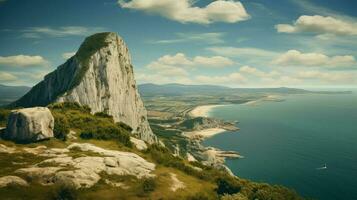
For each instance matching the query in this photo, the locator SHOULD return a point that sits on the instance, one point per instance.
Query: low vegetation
(4, 114)
(99, 126)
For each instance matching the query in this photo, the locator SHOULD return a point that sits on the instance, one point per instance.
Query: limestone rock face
(30, 125)
(100, 76)
(12, 180)
(84, 172)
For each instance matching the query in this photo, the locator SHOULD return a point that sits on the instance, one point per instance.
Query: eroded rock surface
(29, 125)
(85, 171)
(12, 181)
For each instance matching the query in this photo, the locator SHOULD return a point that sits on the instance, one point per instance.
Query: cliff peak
(100, 75)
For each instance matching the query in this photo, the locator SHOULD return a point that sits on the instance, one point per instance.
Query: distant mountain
(9, 94)
(180, 89)
(173, 89)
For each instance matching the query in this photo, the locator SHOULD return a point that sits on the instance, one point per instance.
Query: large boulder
(29, 125)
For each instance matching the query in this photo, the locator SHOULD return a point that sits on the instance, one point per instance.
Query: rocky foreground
(61, 166)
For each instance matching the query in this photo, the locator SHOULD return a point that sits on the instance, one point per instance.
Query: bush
(64, 192)
(124, 126)
(148, 185)
(107, 133)
(200, 196)
(61, 128)
(4, 114)
(70, 106)
(103, 114)
(227, 185)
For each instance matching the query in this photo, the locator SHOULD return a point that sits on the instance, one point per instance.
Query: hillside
(91, 138)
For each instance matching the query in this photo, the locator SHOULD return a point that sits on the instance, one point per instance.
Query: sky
(246, 43)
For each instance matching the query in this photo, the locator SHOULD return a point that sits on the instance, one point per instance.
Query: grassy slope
(199, 185)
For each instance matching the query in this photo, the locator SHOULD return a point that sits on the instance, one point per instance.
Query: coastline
(203, 111)
(203, 134)
(211, 156)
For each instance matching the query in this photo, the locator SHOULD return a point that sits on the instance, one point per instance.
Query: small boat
(323, 167)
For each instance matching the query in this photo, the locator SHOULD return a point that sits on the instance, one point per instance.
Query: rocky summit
(100, 76)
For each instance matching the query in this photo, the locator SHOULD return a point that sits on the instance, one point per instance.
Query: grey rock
(29, 125)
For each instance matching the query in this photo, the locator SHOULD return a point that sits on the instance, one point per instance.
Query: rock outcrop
(29, 125)
(12, 181)
(85, 171)
(100, 75)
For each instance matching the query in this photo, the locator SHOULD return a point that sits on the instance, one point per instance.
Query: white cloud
(185, 12)
(214, 61)
(181, 60)
(23, 60)
(320, 25)
(258, 73)
(178, 59)
(209, 38)
(38, 32)
(68, 55)
(4, 76)
(235, 51)
(297, 58)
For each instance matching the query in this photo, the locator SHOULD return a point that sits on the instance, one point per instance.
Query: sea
(289, 143)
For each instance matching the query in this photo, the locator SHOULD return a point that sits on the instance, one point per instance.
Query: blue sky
(247, 43)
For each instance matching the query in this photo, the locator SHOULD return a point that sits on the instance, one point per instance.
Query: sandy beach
(203, 134)
(202, 111)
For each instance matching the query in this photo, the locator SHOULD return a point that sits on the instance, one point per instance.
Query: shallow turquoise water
(284, 143)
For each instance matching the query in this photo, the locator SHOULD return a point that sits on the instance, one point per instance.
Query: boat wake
(322, 168)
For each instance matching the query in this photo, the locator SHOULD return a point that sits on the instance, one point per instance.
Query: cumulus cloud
(320, 25)
(209, 38)
(181, 60)
(258, 73)
(38, 32)
(68, 55)
(235, 51)
(5, 76)
(184, 11)
(297, 58)
(23, 61)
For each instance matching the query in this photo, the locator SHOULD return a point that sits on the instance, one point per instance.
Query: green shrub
(4, 114)
(65, 106)
(148, 185)
(103, 114)
(64, 192)
(124, 126)
(61, 128)
(201, 196)
(227, 185)
(107, 133)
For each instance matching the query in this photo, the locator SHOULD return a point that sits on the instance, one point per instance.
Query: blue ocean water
(285, 142)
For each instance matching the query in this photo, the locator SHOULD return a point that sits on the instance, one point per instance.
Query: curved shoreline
(203, 110)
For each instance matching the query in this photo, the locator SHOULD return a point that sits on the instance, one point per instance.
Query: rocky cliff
(100, 75)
